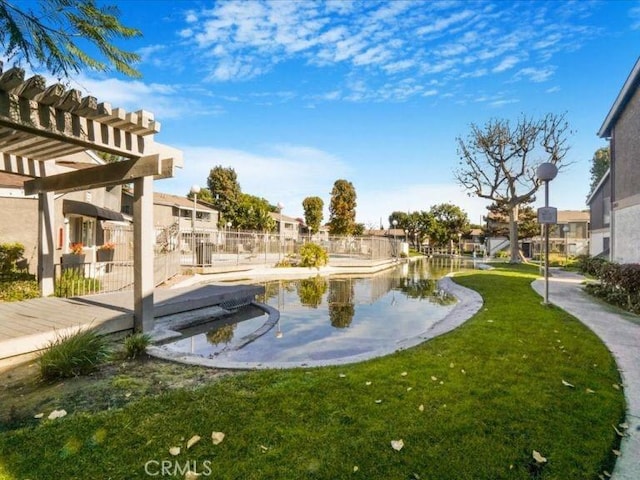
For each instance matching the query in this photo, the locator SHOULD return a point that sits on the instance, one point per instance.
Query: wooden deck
(28, 326)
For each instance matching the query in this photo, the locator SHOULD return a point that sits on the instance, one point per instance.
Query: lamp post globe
(546, 171)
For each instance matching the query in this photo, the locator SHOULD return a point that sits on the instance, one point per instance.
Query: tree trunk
(513, 234)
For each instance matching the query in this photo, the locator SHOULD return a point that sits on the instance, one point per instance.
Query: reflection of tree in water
(220, 335)
(311, 290)
(425, 289)
(272, 289)
(341, 307)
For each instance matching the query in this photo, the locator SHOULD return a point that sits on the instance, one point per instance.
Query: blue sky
(294, 95)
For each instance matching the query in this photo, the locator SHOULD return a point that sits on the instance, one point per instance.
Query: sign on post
(548, 215)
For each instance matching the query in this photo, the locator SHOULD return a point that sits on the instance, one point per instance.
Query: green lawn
(491, 392)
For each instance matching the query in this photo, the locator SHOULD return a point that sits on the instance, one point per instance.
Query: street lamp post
(565, 231)
(546, 216)
(280, 229)
(195, 189)
(394, 223)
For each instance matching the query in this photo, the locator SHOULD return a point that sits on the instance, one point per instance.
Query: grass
(491, 393)
(74, 354)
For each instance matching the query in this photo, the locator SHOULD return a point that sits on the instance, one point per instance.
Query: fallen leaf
(451, 365)
(624, 425)
(192, 441)
(355, 468)
(606, 474)
(441, 382)
(409, 389)
(368, 383)
(617, 453)
(217, 437)
(490, 321)
(127, 395)
(191, 475)
(616, 386)
(434, 378)
(567, 384)
(618, 431)
(538, 457)
(397, 445)
(463, 372)
(39, 415)
(421, 408)
(263, 448)
(57, 414)
(590, 391)
(378, 401)
(342, 375)
(404, 374)
(174, 451)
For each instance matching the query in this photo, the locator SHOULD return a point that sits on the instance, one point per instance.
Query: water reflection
(341, 306)
(331, 318)
(224, 334)
(311, 291)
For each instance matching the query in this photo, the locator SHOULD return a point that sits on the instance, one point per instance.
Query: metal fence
(228, 248)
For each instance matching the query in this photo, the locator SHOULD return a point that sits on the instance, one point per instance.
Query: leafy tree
(342, 209)
(252, 213)
(225, 191)
(204, 195)
(498, 162)
(358, 229)
(313, 213)
(448, 221)
(600, 163)
(498, 224)
(51, 32)
(418, 225)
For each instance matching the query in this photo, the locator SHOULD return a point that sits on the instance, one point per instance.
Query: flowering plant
(107, 246)
(77, 248)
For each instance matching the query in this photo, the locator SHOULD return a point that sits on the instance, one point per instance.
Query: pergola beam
(102, 176)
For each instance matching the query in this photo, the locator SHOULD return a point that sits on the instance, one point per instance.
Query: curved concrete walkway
(620, 331)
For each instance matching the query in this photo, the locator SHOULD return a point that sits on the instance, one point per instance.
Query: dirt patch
(23, 395)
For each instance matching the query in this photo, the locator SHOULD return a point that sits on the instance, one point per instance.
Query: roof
(90, 210)
(170, 200)
(277, 216)
(566, 216)
(628, 89)
(602, 181)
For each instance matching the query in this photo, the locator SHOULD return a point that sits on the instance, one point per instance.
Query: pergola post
(143, 254)
(46, 249)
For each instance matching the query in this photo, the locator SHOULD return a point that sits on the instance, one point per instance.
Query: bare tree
(498, 162)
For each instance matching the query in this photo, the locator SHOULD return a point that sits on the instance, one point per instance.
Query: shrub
(21, 287)
(72, 283)
(10, 253)
(73, 354)
(313, 255)
(136, 344)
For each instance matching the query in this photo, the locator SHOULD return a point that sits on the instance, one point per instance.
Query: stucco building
(621, 127)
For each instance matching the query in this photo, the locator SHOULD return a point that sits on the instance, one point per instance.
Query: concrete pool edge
(468, 304)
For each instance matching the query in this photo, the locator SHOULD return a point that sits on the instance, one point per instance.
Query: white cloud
(283, 173)
(376, 204)
(537, 75)
(444, 23)
(506, 64)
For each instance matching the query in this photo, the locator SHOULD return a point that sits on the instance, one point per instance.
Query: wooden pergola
(40, 123)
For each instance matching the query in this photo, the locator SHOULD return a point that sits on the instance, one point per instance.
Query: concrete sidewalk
(620, 331)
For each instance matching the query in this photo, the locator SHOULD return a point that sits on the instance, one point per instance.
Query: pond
(329, 320)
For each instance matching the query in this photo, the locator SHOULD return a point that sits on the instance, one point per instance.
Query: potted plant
(105, 252)
(75, 258)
